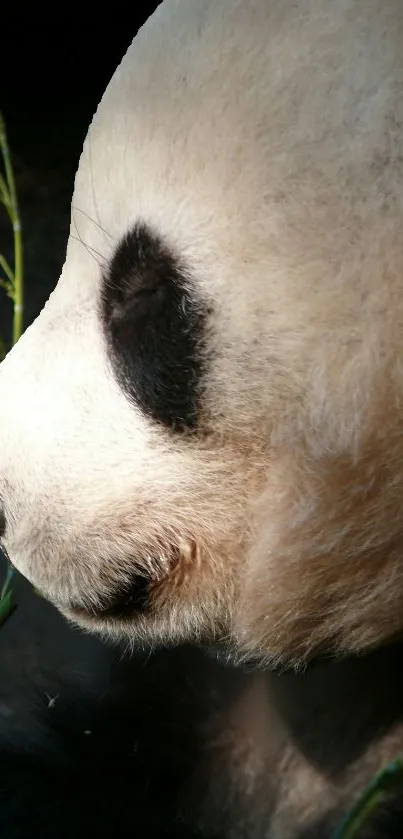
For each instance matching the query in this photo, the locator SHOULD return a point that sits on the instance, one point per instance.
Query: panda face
(146, 451)
(149, 457)
(200, 435)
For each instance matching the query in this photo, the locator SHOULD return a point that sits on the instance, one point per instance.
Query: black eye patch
(154, 326)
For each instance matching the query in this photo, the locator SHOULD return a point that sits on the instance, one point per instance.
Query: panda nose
(2, 524)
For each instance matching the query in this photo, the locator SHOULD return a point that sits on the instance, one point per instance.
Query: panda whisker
(91, 219)
(92, 251)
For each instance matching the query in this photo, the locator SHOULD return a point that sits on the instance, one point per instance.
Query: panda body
(94, 742)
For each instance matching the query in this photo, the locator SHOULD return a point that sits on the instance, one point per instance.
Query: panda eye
(154, 327)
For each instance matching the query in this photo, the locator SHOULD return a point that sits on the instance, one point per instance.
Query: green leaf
(6, 607)
(388, 780)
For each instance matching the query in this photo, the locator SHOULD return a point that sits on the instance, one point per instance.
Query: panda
(200, 435)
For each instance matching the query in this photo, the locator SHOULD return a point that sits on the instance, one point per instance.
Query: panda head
(200, 435)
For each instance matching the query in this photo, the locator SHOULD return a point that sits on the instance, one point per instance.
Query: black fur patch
(125, 602)
(154, 327)
(2, 524)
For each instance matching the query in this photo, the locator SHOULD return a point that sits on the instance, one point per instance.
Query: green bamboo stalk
(388, 780)
(8, 195)
(13, 284)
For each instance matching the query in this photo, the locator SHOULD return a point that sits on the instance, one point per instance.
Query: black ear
(154, 326)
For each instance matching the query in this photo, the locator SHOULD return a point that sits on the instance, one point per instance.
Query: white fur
(263, 141)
